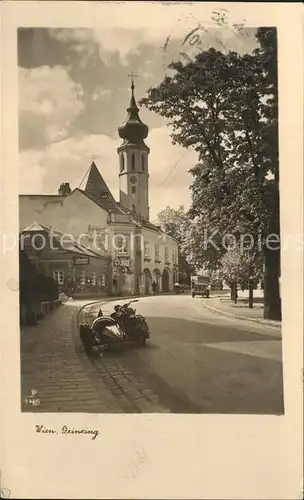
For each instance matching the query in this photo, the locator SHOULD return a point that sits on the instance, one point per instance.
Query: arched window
(143, 162)
(133, 161)
(133, 189)
(122, 162)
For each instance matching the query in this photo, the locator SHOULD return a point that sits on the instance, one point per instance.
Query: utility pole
(250, 283)
(235, 291)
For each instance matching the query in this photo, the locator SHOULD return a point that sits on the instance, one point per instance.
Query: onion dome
(133, 130)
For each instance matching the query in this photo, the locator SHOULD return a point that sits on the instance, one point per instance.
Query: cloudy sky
(73, 93)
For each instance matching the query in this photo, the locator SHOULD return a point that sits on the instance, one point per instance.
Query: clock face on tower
(133, 179)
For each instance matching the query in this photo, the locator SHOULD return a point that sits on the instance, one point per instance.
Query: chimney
(64, 189)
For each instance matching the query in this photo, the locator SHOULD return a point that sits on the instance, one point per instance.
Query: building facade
(75, 268)
(130, 250)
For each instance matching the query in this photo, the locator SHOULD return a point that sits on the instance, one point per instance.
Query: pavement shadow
(190, 331)
(183, 365)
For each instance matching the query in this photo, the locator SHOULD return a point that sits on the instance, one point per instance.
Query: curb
(273, 324)
(102, 390)
(97, 298)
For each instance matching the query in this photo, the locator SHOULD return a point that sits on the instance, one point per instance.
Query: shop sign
(81, 261)
(122, 262)
(125, 262)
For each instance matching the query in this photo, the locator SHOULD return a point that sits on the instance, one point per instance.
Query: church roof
(133, 131)
(96, 185)
(97, 190)
(107, 204)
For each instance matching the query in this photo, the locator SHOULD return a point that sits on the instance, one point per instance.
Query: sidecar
(107, 331)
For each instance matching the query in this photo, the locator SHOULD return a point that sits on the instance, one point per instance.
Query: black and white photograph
(151, 250)
(149, 211)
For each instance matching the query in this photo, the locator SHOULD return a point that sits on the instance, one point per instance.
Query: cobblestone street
(50, 365)
(194, 362)
(54, 364)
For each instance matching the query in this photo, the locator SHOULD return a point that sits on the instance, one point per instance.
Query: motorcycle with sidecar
(122, 326)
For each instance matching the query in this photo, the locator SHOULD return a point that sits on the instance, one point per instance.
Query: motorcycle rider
(118, 316)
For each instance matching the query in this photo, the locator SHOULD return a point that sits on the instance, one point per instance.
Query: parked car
(200, 286)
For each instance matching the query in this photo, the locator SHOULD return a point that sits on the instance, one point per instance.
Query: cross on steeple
(94, 157)
(132, 76)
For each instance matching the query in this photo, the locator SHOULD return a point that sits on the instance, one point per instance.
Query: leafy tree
(225, 106)
(173, 222)
(236, 264)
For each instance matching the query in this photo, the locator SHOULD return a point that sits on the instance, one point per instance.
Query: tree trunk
(272, 260)
(250, 296)
(272, 299)
(250, 287)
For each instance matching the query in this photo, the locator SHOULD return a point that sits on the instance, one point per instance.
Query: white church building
(136, 251)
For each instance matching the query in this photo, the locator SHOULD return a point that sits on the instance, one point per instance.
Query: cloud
(49, 101)
(101, 94)
(108, 40)
(31, 171)
(69, 160)
(159, 31)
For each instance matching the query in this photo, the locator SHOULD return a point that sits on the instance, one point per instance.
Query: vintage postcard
(152, 250)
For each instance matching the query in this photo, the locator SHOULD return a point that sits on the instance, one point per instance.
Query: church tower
(133, 162)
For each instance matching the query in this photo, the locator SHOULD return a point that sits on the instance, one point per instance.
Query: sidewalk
(223, 305)
(54, 364)
(58, 370)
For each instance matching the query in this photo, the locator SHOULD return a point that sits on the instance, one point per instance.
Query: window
(103, 280)
(174, 257)
(133, 207)
(122, 162)
(121, 244)
(99, 238)
(143, 162)
(133, 161)
(156, 252)
(73, 276)
(146, 250)
(59, 277)
(166, 254)
(133, 189)
(93, 279)
(83, 278)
